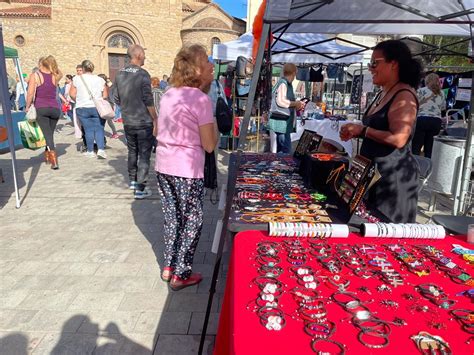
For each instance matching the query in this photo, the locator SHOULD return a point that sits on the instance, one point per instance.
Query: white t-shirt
(96, 86)
(431, 105)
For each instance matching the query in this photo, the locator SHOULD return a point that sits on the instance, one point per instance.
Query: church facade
(101, 31)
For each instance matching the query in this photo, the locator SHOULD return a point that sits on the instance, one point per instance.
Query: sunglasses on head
(374, 62)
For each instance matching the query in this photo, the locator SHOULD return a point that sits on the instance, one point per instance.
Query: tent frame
(6, 107)
(266, 33)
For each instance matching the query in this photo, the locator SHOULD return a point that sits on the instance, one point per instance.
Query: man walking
(133, 94)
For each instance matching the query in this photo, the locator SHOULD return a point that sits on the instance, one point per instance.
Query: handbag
(31, 135)
(210, 175)
(278, 112)
(102, 105)
(32, 114)
(224, 114)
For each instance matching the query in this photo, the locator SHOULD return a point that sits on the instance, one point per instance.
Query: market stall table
(240, 330)
(16, 117)
(327, 128)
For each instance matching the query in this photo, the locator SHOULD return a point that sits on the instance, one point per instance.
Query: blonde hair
(188, 66)
(432, 83)
(50, 64)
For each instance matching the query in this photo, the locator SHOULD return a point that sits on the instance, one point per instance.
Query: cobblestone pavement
(80, 261)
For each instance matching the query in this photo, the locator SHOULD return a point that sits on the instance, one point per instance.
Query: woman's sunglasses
(374, 62)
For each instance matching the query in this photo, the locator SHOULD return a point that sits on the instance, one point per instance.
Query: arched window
(119, 40)
(214, 41)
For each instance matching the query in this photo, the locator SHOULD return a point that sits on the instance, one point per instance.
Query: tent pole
(467, 161)
(463, 182)
(333, 96)
(8, 115)
(244, 126)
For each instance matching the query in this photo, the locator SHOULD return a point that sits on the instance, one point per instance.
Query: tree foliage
(446, 59)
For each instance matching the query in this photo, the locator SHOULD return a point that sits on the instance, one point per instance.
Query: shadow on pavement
(15, 343)
(7, 189)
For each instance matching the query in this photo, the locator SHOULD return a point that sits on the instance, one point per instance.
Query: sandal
(177, 283)
(167, 273)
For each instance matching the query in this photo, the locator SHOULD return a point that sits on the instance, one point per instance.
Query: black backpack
(223, 113)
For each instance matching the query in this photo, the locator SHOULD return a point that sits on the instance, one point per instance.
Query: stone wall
(204, 37)
(211, 22)
(79, 28)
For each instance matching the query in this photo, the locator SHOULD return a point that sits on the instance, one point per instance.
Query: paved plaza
(80, 261)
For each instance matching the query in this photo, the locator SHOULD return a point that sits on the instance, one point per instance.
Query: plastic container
(447, 158)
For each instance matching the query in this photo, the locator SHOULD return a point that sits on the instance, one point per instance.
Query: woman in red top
(42, 88)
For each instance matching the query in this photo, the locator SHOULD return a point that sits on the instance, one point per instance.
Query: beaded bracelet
(269, 260)
(304, 295)
(270, 271)
(312, 315)
(320, 330)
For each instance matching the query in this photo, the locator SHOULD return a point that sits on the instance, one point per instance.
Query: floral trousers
(182, 202)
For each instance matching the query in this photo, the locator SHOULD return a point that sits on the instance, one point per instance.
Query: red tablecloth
(240, 331)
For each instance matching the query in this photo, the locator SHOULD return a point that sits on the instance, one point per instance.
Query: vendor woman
(387, 131)
(285, 98)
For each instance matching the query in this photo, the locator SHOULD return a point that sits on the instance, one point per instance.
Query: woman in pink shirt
(186, 128)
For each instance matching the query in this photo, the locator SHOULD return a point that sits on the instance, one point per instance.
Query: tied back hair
(409, 68)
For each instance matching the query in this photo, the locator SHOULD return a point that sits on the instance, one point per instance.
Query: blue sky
(236, 8)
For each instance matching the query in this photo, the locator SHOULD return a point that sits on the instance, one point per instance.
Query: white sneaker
(88, 154)
(101, 154)
(140, 195)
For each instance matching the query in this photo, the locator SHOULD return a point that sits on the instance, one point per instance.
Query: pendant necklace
(377, 102)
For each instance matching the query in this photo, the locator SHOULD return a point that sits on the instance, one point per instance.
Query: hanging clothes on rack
(356, 89)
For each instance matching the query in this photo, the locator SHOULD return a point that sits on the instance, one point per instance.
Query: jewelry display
(407, 230)
(312, 230)
(436, 295)
(309, 142)
(295, 279)
(355, 181)
(466, 318)
(456, 273)
(413, 262)
(467, 254)
(269, 189)
(427, 342)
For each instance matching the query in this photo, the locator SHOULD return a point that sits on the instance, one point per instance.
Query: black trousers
(426, 129)
(139, 144)
(47, 119)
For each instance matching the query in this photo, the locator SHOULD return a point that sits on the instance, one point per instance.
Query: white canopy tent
(308, 48)
(401, 17)
(362, 17)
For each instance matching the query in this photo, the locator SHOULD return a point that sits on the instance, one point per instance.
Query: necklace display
(381, 97)
(270, 189)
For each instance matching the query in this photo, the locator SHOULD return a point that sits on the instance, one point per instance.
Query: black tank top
(396, 193)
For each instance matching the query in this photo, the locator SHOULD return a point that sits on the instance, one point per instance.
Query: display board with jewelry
(356, 181)
(306, 295)
(308, 143)
(270, 189)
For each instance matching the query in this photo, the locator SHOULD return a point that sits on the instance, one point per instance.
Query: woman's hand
(299, 105)
(350, 130)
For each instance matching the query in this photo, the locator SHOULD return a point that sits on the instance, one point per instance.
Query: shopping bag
(31, 135)
(31, 114)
